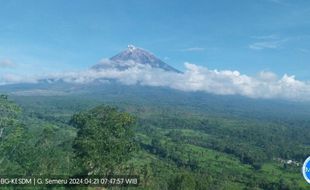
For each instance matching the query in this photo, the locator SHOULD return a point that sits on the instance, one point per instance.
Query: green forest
(169, 146)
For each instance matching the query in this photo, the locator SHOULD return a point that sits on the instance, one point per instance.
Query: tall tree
(104, 139)
(8, 114)
(11, 137)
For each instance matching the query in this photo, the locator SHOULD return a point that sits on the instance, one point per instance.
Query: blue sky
(245, 35)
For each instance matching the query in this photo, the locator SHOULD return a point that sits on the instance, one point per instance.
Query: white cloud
(266, 37)
(303, 50)
(195, 78)
(193, 49)
(265, 45)
(14, 79)
(267, 42)
(282, 2)
(267, 76)
(275, 1)
(6, 63)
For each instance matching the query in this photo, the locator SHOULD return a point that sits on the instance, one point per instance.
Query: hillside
(192, 140)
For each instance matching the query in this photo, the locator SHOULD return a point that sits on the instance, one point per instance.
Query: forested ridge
(168, 146)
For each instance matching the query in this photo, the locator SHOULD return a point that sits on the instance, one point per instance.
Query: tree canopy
(104, 139)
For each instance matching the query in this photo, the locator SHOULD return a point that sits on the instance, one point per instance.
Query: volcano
(133, 56)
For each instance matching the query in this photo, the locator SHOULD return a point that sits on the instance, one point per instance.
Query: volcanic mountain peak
(139, 56)
(135, 54)
(131, 47)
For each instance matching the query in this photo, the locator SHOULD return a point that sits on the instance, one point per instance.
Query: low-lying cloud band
(195, 78)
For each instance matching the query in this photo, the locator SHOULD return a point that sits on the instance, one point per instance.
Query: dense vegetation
(104, 140)
(170, 146)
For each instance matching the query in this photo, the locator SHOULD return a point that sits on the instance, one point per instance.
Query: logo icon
(306, 170)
